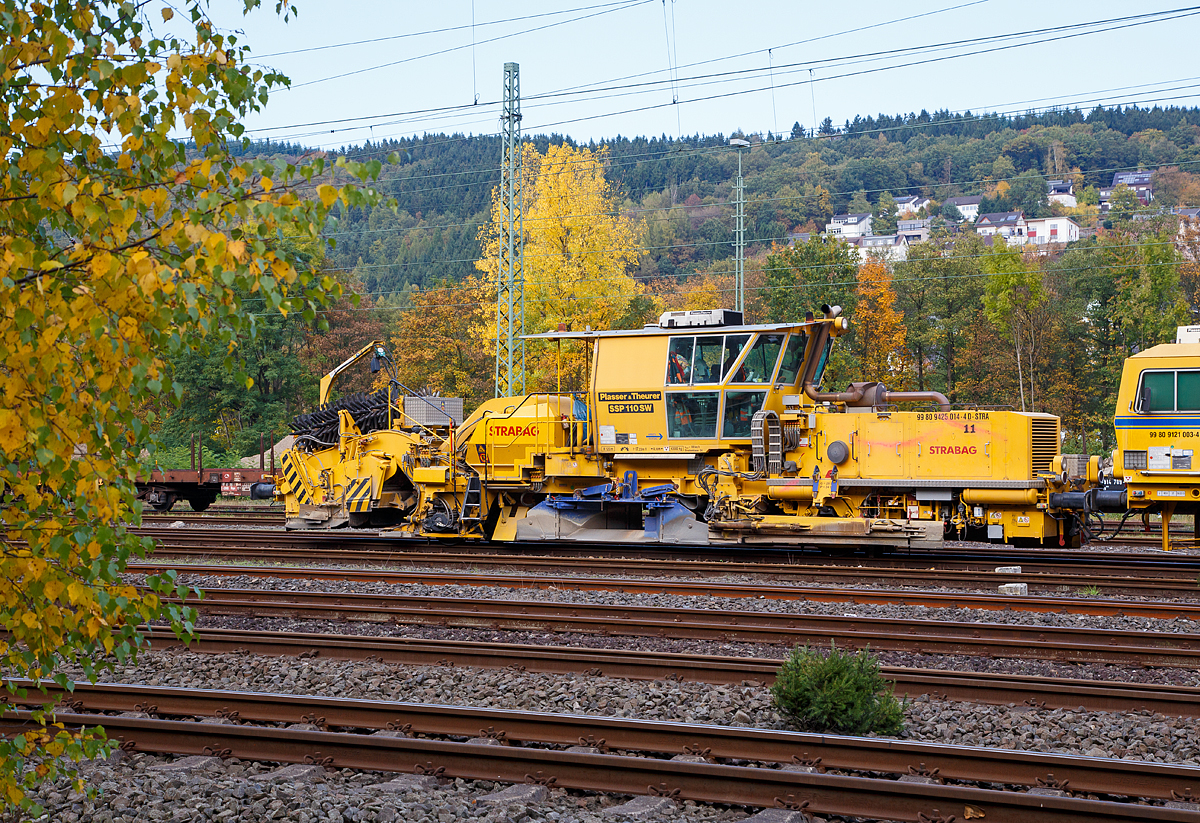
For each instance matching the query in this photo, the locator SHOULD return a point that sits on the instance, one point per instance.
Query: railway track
(1076, 645)
(382, 543)
(1052, 693)
(374, 547)
(606, 734)
(820, 594)
(868, 797)
(1171, 579)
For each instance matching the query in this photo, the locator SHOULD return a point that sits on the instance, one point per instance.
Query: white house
(968, 206)
(1043, 230)
(1061, 191)
(1007, 224)
(911, 204)
(893, 247)
(849, 225)
(914, 231)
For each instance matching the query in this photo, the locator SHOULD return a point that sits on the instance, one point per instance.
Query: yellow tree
(438, 345)
(879, 331)
(123, 241)
(579, 251)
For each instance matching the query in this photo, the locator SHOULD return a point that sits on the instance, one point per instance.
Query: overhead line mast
(510, 287)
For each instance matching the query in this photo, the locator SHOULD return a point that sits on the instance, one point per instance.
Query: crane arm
(375, 347)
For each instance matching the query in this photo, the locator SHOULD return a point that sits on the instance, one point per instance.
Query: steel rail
(1182, 584)
(1001, 689)
(1169, 610)
(274, 519)
(382, 546)
(1126, 778)
(926, 636)
(702, 782)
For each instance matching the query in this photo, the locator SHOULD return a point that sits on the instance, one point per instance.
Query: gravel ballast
(132, 791)
(675, 601)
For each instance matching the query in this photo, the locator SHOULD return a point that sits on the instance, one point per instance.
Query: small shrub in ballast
(838, 692)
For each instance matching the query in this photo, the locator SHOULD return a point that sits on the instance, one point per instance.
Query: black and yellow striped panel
(289, 471)
(358, 495)
(291, 478)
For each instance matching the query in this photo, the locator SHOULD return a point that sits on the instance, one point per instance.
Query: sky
(594, 69)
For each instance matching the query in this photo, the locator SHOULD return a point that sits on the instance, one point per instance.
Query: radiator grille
(1135, 460)
(1043, 446)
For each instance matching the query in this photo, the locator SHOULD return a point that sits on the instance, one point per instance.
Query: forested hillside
(443, 183)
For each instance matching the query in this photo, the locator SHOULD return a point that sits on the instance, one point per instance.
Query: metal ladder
(472, 506)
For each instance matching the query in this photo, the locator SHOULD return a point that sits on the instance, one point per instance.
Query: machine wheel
(200, 504)
(167, 504)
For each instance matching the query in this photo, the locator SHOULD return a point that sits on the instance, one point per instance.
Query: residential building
(911, 204)
(1042, 230)
(893, 247)
(914, 231)
(1142, 183)
(1007, 224)
(849, 225)
(800, 237)
(1062, 192)
(968, 206)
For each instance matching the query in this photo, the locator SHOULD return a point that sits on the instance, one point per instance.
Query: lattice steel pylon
(739, 237)
(510, 286)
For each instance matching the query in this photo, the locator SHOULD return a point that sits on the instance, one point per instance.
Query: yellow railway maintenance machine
(1158, 434)
(696, 430)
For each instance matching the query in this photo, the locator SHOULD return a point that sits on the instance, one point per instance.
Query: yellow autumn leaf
(328, 194)
(78, 593)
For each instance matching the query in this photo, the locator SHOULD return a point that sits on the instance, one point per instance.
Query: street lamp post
(739, 241)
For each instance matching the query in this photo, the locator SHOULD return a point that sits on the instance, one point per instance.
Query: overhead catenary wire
(1067, 31)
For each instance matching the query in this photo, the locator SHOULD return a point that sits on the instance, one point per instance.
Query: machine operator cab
(1158, 429)
(693, 382)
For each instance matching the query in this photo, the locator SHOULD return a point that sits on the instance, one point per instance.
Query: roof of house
(968, 200)
(1000, 217)
(1133, 178)
(1045, 219)
(1187, 212)
(876, 240)
(1059, 187)
(849, 218)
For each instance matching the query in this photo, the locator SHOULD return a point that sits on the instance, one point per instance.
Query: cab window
(706, 366)
(735, 344)
(793, 358)
(819, 371)
(679, 361)
(692, 414)
(1169, 391)
(759, 365)
(740, 407)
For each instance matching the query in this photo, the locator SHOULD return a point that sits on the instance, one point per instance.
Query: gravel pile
(1129, 735)
(675, 601)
